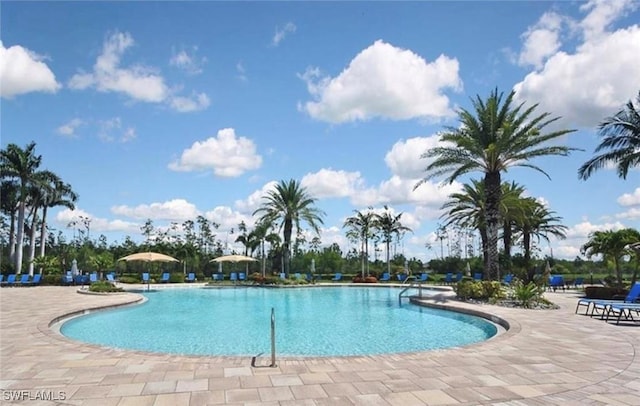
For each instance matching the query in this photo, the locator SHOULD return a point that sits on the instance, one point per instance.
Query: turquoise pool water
(309, 322)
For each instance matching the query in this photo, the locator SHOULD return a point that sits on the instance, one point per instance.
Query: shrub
(103, 287)
(480, 290)
(129, 279)
(176, 277)
(366, 279)
(528, 294)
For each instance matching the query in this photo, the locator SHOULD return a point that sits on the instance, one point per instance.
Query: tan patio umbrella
(234, 259)
(149, 257)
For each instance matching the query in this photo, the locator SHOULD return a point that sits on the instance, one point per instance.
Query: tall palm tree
(22, 165)
(288, 204)
(55, 194)
(612, 245)
(390, 226)
(538, 222)
(621, 138)
(496, 136)
(361, 225)
(9, 190)
(512, 209)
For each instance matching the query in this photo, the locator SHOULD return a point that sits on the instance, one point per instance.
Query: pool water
(309, 322)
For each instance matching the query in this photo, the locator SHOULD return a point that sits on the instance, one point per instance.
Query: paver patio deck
(548, 357)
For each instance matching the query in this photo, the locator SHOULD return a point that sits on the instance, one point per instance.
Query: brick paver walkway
(548, 357)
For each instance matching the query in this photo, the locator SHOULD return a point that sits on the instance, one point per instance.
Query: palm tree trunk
(388, 256)
(20, 235)
(526, 245)
(485, 254)
(616, 263)
(506, 240)
(12, 237)
(32, 242)
(288, 227)
(43, 231)
(493, 192)
(362, 258)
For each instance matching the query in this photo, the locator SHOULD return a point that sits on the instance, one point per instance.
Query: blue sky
(171, 110)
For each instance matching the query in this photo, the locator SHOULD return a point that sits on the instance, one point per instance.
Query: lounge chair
(309, 277)
(297, 275)
(508, 278)
(623, 311)
(337, 277)
(93, 278)
(67, 279)
(477, 276)
(24, 279)
(111, 278)
(11, 280)
(283, 275)
(385, 277)
(578, 282)
(458, 276)
(601, 304)
(448, 277)
(233, 277)
(423, 277)
(1, 278)
(36, 280)
(218, 277)
(402, 277)
(556, 282)
(145, 278)
(191, 277)
(165, 277)
(242, 276)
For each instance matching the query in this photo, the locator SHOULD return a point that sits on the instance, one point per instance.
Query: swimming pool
(334, 321)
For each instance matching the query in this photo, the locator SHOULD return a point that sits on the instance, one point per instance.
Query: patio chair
(242, 276)
(601, 304)
(448, 277)
(191, 277)
(402, 277)
(623, 311)
(93, 278)
(233, 277)
(111, 278)
(578, 282)
(283, 275)
(1, 278)
(337, 277)
(458, 276)
(145, 277)
(218, 277)
(556, 282)
(508, 278)
(423, 277)
(297, 275)
(24, 279)
(37, 278)
(165, 277)
(67, 279)
(477, 276)
(385, 277)
(11, 280)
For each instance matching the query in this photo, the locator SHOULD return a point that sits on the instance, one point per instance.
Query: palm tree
(498, 137)
(361, 226)
(538, 223)
(288, 204)
(389, 225)
(512, 209)
(621, 137)
(20, 164)
(56, 193)
(612, 245)
(10, 202)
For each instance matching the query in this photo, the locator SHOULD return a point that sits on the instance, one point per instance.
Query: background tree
(497, 135)
(612, 245)
(361, 225)
(621, 139)
(389, 225)
(289, 204)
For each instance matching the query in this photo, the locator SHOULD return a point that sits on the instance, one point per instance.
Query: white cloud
(630, 199)
(404, 157)
(228, 219)
(112, 129)
(241, 72)
(175, 210)
(281, 33)
(226, 154)
(97, 224)
(138, 82)
(632, 213)
(397, 190)
(571, 85)
(69, 129)
(188, 61)
(251, 203)
(331, 183)
(197, 102)
(383, 81)
(22, 71)
(541, 40)
(582, 230)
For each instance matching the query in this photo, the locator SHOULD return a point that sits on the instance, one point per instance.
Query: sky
(170, 110)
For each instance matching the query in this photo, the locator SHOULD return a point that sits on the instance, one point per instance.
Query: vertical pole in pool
(273, 338)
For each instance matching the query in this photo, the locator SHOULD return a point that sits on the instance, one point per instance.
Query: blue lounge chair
(458, 276)
(36, 279)
(309, 277)
(145, 277)
(508, 278)
(578, 282)
(601, 305)
(111, 278)
(402, 277)
(165, 277)
(218, 277)
(191, 277)
(423, 277)
(556, 282)
(67, 279)
(283, 275)
(1, 278)
(623, 310)
(297, 275)
(477, 276)
(337, 277)
(233, 277)
(24, 279)
(242, 276)
(93, 278)
(11, 280)
(448, 278)
(385, 277)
